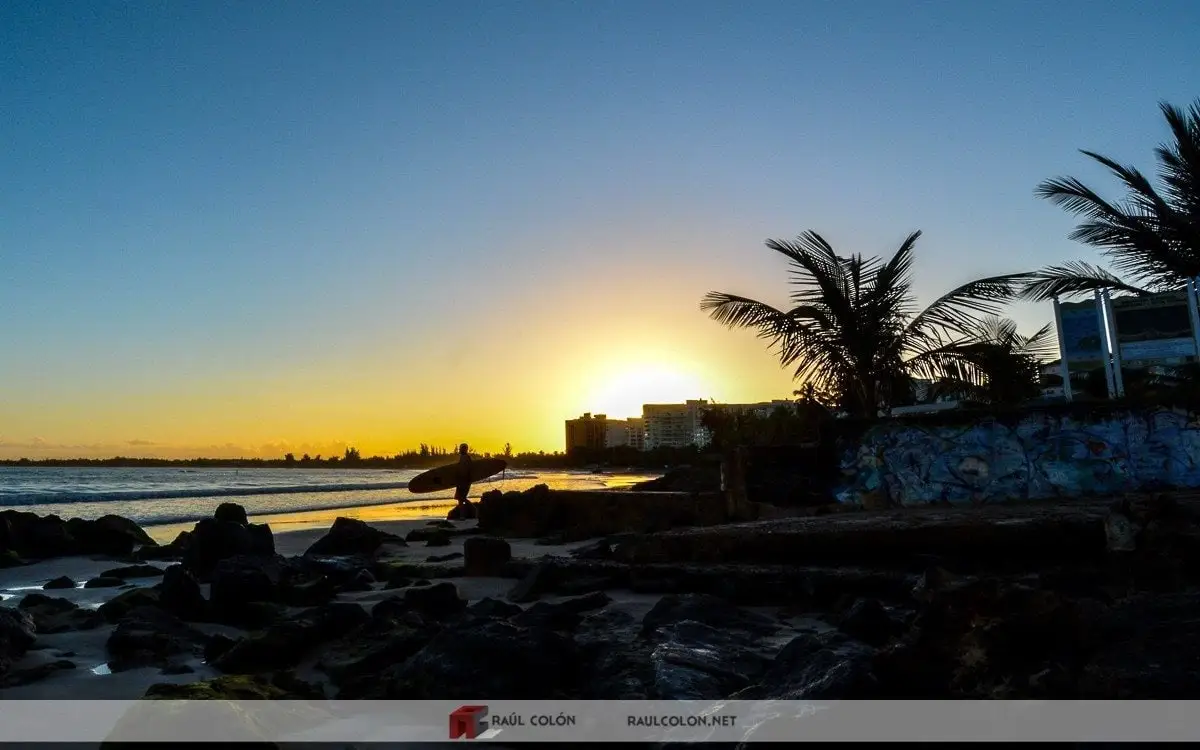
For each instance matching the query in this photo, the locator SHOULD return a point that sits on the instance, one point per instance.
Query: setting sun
(623, 394)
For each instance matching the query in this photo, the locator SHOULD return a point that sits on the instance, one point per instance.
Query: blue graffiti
(1042, 456)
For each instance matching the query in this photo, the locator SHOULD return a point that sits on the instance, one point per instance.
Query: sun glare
(623, 394)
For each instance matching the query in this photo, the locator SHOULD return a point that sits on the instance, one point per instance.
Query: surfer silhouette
(463, 487)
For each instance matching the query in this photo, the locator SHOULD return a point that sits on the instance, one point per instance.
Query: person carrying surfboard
(463, 486)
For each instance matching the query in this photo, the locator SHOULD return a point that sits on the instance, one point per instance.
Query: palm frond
(1073, 279)
(959, 308)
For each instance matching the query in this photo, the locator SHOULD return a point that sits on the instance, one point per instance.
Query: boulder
(485, 556)
(868, 621)
(437, 539)
(173, 551)
(262, 539)
(564, 614)
(62, 582)
(133, 571)
(349, 536)
(55, 615)
(521, 664)
(232, 513)
(148, 636)
(179, 594)
(444, 558)
(36, 537)
(825, 666)
(694, 661)
(122, 604)
(463, 512)
(240, 581)
(497, 608)
(356, 660)
(284, 644)
(213, 541)
(308, 591)
(439, 601)
(109, 535)
(708, 610)
(17, 634)
(616, 661)
(35, 673)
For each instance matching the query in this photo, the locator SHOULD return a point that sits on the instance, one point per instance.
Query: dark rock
(616, 662)
(600, 549)
(826, 666)
(232, 513)
(484, 657)
(18, 677)
(9, 559)
(398, 582)
(148, 636)
(694, 661)
(103, 582)
(425, 534)
(308, 593)
(437, 539)
(54, 615)
(179, 594)
(565, 614)
(421, 582)
(62, 582)
(445, 558)
(349, 536)
(497, 608)
(110, 535)
(356, 660)
(440, 524)
(120, 605)
(133, 571)
(217, 645)
(36, 537)
(17, 634)
(340, 569)
(213, 541)
(283, 645)
(536, 582)
(239, 581)
(438, 601)
(463, 512)
(869, 622)
(708, 610)
(1147, 650)
(364, 580)
(486, 556)
(262, 541)
(173, 551)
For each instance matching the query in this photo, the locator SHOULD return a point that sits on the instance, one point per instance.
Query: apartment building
(674, 425)
(587, 432)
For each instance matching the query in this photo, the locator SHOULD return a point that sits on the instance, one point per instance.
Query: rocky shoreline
(1076, 600)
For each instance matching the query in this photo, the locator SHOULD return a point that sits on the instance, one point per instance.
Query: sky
(235, 228)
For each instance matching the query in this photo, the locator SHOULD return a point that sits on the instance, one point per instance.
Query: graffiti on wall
(1041, 456)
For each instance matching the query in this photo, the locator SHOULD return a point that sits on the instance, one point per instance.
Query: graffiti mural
(1041, 456)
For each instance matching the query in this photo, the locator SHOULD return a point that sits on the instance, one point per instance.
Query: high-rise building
(673, 425)
(587, 432)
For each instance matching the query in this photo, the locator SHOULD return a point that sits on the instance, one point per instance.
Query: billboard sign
(1154, 329)
(1083, 343)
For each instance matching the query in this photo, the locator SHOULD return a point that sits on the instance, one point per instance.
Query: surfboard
(445, 477)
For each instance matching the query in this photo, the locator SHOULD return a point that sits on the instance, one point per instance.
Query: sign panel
(1082, 338)
(1155, 329)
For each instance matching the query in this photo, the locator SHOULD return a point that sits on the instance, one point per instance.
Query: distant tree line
(422, 457)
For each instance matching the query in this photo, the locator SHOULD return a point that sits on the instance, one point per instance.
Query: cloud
(140, 442)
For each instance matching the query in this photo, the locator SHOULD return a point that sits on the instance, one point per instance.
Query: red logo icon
(468, 722)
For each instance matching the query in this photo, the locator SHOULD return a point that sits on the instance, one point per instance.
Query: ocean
(161, 496)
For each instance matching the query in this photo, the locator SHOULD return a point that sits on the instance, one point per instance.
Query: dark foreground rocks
(28, 536)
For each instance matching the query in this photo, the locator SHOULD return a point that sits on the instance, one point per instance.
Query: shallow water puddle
(101, 669)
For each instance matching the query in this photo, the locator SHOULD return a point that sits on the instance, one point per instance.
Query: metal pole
(1116, 345)
(1102, 319)
(1062, 352)
(1194, 312)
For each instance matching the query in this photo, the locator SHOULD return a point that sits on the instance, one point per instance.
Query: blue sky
(248, 202)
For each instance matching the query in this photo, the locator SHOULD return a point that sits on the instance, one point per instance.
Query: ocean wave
(64, 497)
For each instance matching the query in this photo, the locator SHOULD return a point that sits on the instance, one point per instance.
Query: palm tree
(1152, 238)
(1000, 366)
(855, 327)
